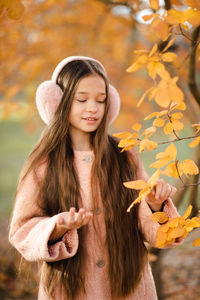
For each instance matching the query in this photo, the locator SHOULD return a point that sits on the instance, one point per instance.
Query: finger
(71, 217)
(79, 216)
(166, 190)
(87, 217)
(159, 188)
(173, 190)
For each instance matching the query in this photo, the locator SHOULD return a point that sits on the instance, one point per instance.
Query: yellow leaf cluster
(15, 8)
(165, 157)
(145, 187)
(176, 169)
(190, 15)
(162, 116)
(173, 228)
(167, 90)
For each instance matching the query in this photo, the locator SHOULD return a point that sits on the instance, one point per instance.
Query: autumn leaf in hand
(145, 187)
(174, 228)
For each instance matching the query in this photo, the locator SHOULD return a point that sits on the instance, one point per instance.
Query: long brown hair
(60, 190)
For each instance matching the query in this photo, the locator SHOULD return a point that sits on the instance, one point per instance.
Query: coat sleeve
(147, 226)
(30, 231)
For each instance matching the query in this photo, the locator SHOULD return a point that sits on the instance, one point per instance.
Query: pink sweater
(30, 232)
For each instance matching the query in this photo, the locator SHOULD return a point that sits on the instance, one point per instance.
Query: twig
(185, 35)
(192, 70)
(179, 139)
(176, 164)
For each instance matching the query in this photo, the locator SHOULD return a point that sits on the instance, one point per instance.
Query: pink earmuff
(49, 94)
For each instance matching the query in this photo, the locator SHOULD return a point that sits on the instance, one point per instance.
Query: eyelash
(86, 100)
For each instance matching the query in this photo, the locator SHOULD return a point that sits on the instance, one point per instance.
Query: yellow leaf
(154, 4)
(178, 115)
(190, 223)
(168, 128)
(143, 97)
(122, 135)
(152, 115)
(162, 96)
(150, 145)
(138, 64)
(187, 212)
(173, 222)
(162, 72)
(175, 93)
(164, 227)
(153, 50)
(160, 28)
(180, 106)
(163, 112)
(159, 217)
(195, 142)
(147, 17)
(169, 56)
(160, 238)
(171, 170)
(151, 68)
(192, 16)
(152, 93)
(165, 157)
(127, 143)
(154, 178)
(174, 17)
(188, 166)
(158, 122)
(175, 233)
(177, 125)
(136, 126)
(149, 130)
(171, 42)
(136, 185)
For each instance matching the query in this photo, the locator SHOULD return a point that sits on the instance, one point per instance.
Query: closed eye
(81, 100)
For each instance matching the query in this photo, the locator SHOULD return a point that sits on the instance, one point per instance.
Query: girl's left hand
(161, 192)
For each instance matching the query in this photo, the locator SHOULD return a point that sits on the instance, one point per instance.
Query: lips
(90, 119)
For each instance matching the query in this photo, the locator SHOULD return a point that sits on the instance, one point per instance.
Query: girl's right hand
(68, 221)
(73, 219)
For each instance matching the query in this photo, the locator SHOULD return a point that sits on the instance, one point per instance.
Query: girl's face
(88, 105)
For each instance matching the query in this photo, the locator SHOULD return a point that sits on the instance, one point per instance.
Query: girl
(70, 207)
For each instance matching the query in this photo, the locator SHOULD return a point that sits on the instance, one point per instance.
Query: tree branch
(167, 4)
(192, 70)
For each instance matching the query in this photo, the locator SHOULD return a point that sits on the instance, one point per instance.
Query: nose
(92, 106)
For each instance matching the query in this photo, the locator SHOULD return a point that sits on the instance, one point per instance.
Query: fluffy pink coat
(30, 232)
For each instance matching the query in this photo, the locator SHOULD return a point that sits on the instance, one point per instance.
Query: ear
(114, 104)
(48, 97)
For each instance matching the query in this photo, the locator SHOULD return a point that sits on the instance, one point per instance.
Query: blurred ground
(181, 270)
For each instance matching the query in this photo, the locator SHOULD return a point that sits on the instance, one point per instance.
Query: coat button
(97, 211)
(100, 263)
(88, 158)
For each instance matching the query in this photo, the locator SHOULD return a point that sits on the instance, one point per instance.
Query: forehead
(92, 83)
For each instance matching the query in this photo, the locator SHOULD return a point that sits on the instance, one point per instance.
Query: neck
(80, 140)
